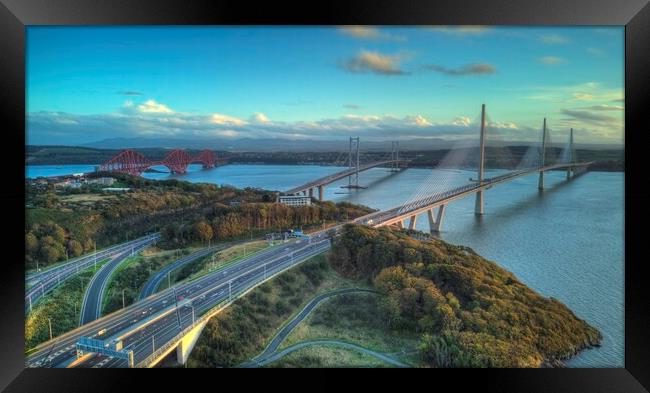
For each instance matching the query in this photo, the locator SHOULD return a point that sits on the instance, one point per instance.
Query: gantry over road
(144, 333)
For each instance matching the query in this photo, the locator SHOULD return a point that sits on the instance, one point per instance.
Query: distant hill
(285, 145)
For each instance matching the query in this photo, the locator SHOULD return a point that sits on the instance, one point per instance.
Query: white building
(105, 181)
(294, 200)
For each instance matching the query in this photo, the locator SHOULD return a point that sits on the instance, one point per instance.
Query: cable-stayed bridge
(144, 333)
(429, 202)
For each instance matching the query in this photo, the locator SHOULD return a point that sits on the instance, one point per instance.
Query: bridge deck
(336, 176)
(411, 208)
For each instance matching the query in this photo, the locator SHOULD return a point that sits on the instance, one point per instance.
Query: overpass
(144, 333)
(354, 168)
(148, 330)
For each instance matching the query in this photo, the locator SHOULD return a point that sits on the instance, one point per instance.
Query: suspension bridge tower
(394, 156)
(353, 162)
(542, 160)
(478, 208)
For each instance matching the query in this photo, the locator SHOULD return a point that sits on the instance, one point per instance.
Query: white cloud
(260, 118)
(553, 39)
(461, 121)
(583, 97)
(550, 60)
(375, 62)
(418, 120)
(220, 119)
(151, 106)
(461, 31)
(595, 51)
(369, 33)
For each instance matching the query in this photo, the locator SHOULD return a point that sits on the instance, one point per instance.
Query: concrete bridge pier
(413, 221)
(321, 190)
(311, 192)
(435, 221)
(187, 343)
(478, 205)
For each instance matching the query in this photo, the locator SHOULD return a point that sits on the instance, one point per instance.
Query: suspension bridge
(144, 333)
(177, 161)
(352, 172)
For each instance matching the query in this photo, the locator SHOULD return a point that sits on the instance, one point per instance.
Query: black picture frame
(634, 14)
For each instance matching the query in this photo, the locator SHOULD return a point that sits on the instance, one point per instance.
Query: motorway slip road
(39, 284)
(91, 307)
(149, 323)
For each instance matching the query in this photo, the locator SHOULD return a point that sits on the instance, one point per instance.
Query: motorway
(154, 281)
(148, 324)
(91, 307)
(44, 281)
(411, 208)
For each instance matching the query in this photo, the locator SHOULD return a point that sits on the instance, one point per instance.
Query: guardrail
(259, 278)
(54, 279)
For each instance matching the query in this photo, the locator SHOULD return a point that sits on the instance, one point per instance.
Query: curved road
(152, 322)
(335, 343)
(271, 350)
(91, 307)
(43, 282)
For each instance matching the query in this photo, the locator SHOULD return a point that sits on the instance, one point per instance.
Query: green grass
(354, 318)
(243, 330)
(62, 306)
(131, 275)
(324, 356)
(222, 259)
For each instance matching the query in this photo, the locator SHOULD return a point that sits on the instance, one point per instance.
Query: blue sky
(86, 84)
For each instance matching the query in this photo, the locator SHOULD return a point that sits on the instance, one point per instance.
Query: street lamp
(49, 321)
(123, 297)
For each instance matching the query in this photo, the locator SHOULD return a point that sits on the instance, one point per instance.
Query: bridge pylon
(570, 170)
(353, 163)
(540, 184)
(394, 156)
(478, 207)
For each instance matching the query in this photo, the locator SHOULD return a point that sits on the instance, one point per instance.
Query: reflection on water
(565, 242)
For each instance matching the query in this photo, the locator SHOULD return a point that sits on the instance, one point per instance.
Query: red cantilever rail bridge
(177, 161)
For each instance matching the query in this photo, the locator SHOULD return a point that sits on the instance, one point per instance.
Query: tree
(89, 244)
(50, 253)
(31, 243)
(203, 231)
(74, 248)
